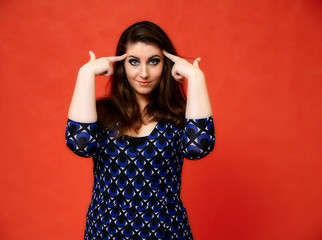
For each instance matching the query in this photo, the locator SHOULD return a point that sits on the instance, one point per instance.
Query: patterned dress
(137, 181)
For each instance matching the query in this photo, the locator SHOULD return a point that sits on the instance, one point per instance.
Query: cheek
(158, 71)
(130, 72)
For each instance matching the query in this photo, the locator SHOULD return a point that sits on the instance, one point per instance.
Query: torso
(137, 181)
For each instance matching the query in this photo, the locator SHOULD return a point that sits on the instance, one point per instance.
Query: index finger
(117, 58)
(172, 57)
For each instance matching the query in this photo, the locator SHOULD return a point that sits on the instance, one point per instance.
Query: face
(143, 66)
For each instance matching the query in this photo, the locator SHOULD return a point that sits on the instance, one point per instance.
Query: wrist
(85, 70)
(196, 75)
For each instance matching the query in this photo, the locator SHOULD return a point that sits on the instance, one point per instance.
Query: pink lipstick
(144, 83)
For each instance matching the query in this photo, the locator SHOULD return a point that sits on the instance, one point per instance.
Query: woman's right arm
(83, 105)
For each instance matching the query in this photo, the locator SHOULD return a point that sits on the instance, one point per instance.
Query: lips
(142, 83)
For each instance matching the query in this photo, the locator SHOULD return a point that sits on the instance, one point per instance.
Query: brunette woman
(139, 135)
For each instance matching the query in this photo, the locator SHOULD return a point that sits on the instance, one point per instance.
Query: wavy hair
(119, 111)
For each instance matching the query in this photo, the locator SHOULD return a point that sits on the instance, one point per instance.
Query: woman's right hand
(83, 105)
(101, 66)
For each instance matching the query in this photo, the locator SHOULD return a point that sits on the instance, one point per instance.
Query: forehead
(141, 49)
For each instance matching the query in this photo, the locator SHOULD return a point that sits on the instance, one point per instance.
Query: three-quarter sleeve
(82, 138)
(198, 138)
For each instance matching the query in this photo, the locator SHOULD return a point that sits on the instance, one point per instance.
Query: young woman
(139, 135)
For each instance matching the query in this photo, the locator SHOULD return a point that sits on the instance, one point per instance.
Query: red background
(263, 63)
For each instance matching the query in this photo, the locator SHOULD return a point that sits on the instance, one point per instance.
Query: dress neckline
(127, 137)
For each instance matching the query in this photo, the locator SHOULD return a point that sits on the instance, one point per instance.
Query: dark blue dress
(137, 181)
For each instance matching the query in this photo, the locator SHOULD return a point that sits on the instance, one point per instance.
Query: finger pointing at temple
(172, 57)
(117, 58)
(182, 68)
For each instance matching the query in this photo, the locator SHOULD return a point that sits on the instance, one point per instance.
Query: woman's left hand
(182, 68)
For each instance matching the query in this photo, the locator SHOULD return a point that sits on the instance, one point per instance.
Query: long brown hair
(120, 110)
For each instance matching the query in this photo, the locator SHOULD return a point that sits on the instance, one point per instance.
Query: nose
(144, 72)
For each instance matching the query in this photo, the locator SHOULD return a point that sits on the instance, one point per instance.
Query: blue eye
(134, 62)
(154, 61)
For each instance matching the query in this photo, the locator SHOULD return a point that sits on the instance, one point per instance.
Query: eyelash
(134, 62)
(153, 62)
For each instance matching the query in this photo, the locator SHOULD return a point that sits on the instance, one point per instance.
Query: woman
(139, 135)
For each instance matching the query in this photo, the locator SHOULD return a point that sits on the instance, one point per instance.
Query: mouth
(142, 83)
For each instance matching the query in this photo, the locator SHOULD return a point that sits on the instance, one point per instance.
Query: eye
(154, 61)
(134, 62)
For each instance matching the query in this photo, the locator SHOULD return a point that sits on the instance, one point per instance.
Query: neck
(143, 101)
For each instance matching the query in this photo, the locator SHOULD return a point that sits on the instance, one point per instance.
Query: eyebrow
(131, 56)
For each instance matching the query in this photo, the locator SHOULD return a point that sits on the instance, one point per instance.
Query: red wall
(263, 62)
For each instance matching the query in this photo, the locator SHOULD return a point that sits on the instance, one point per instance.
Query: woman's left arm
(198, 102)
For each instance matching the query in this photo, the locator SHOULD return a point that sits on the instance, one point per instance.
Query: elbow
(81, 138)
(200, 149)
(79, 151)
(82, 151)
(81, 146)
(198, 139)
